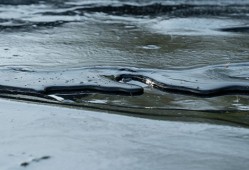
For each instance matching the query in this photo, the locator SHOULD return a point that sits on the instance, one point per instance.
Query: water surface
(178, 39)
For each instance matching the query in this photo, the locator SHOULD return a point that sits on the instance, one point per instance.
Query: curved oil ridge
(205, 82)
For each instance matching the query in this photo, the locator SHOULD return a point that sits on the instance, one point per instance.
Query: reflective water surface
(177, 39)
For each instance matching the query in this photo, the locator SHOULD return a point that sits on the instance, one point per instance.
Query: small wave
(206, 81)
(28, 2)
(48, 15)
(241, 29)
(158, 9)
(13, 25)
